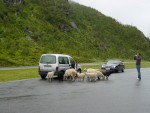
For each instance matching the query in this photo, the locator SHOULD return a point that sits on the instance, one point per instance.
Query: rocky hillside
(29, 28)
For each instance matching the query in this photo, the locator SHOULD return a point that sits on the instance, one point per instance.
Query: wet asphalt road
(122, 93)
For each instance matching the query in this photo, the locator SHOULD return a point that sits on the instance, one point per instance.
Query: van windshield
(49, 59)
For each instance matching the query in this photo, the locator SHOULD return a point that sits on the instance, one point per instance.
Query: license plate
(47, 65)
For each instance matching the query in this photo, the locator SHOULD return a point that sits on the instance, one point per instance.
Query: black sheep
(106, 73)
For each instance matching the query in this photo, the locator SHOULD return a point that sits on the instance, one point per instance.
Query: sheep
(89, 70)
(49, 76)
(106, 73)
(81, 76)
(70, 73)
(91, 76)
(99, 74)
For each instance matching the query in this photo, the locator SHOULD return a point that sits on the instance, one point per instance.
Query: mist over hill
(29, 28)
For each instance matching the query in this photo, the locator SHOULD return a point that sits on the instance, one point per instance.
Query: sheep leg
(95, 78)
(106, 77)
(83, 79)
(48, 79)
(99, 78)
(73, 78)
(103, 77)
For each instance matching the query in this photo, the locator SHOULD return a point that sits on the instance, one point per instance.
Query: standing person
(138, 58)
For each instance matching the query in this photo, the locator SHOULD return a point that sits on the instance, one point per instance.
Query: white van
(57, 63)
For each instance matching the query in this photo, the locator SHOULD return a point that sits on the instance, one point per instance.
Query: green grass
(11, 75)
(127, 66)
(132, 65)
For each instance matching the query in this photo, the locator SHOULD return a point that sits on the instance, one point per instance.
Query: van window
(72, 62)
(63, 60)
(50, 59)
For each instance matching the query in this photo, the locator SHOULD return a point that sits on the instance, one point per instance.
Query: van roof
(56, 55)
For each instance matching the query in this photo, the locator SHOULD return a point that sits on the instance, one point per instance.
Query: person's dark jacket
(138, 59)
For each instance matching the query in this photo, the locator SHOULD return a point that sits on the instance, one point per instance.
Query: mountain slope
(29, 28)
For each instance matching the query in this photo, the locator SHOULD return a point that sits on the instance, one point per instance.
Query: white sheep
(49, 76)
(100, 75)
(89, 70)
(81, 76)
(91, 76)
(70, 73)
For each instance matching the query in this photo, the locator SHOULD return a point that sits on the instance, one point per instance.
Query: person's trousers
(138, 67)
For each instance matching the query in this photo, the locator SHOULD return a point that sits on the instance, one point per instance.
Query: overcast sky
(131, 12)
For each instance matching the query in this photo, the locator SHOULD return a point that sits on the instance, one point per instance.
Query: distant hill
(29, 28)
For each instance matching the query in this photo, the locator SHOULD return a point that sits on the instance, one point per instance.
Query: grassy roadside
(127, 65)
(11, 75)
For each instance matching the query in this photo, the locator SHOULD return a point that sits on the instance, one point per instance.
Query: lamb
(70, 73)
(49, 76)
(81, 76)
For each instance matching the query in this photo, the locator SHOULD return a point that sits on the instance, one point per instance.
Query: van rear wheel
(43, 77)
(61, 75)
